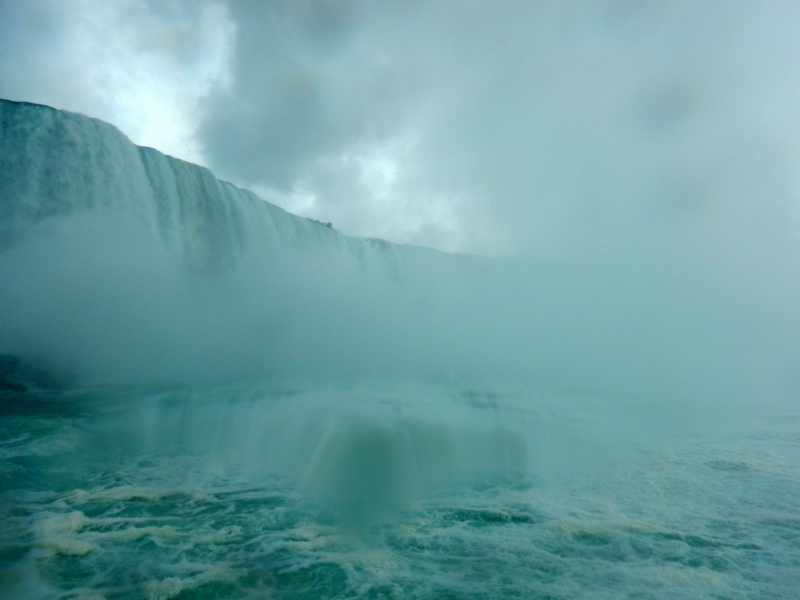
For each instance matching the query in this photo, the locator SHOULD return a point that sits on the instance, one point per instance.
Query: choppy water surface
(251, 492)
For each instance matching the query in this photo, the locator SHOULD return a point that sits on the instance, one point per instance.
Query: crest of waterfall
(55, 164)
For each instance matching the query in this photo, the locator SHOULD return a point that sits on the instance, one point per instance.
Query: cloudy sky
(490, 126)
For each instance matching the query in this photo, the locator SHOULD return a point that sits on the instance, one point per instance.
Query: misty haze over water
(588, 390)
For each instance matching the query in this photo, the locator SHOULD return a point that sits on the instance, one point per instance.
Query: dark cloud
(305, 85)
(500, 126)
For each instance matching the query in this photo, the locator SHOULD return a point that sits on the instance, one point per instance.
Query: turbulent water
(244, 491)
(206, 397)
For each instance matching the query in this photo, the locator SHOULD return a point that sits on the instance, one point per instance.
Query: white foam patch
(66, 546)
(163, 589)
(226, 535)
(70, 522)
(57, 534)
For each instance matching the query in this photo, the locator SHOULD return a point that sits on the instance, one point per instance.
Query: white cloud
(143, 66)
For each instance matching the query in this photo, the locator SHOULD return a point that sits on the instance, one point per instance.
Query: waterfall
(121, 263)
(55, 163)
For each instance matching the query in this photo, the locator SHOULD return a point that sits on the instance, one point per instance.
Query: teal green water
(422, 493)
